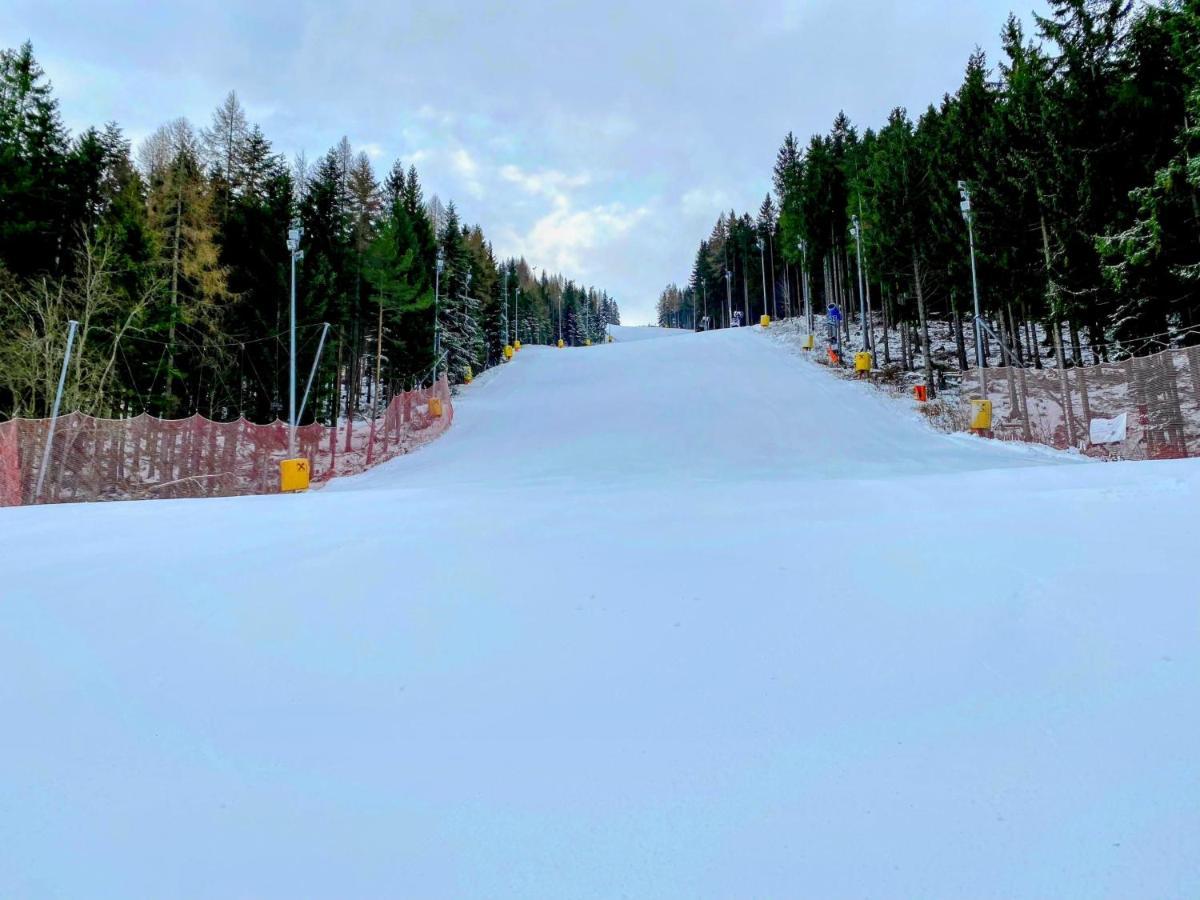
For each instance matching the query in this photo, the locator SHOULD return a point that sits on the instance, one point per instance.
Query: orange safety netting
(146, 457)
(1155, 398)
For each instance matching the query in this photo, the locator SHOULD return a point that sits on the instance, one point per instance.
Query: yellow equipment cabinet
(435, 407)
(981, 415)
(560, 343)
(508, 351)
(862, 362)
(516, 345)
(588, 342)
(809, 342)
(765, 321)
(293, 475)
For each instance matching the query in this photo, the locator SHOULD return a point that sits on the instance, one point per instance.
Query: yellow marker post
(981, 415)
(293, 475)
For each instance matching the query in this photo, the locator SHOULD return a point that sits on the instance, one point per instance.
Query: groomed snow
(671, 618)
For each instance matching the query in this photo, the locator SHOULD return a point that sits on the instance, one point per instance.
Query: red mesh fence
(1145, 407)
(146, 457)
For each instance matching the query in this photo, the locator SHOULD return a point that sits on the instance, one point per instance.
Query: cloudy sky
(600, 139)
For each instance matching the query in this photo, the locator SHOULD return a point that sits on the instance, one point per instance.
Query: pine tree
(33, 150)
(183, 225)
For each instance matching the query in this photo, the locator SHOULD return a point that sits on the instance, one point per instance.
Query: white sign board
(1108, 431)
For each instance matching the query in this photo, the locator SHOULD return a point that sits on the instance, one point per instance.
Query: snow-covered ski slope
(667, 618)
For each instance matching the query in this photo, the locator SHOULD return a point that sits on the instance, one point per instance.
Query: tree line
(1080, 153)
(173, 260)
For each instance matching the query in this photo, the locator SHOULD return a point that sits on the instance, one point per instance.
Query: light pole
(437, 324)
(762, 256)
(728, 298)
(517, 317)
(803, 244)
(969, 216)
(293, 245)
(856, 230)
(505, 306)
(774, 281)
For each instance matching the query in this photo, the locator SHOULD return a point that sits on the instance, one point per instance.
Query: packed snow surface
(674, 618)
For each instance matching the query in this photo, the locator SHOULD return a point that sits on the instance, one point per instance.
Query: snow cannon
(293, 475)
(981, 416)
(765, 321)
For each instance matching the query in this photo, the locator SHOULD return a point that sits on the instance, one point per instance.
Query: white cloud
(705, 202)
(468, 169)
(565, 239)
(546, 183)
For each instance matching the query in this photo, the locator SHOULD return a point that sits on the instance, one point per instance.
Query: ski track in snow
(660, 618)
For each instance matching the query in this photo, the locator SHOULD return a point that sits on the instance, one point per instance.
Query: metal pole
(787, 288)
(804, 286)
(293, 245)
(292, 368)
(966, 211)
(728, 298)
(313, 372)
(762, 247)
(437, 328)
(517, 314)
(506, 306)
(62, 380)
(862, 293)
(774, 280)
(975, 291)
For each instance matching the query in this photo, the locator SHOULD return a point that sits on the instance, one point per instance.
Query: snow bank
(673, 618)
(625, 333)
